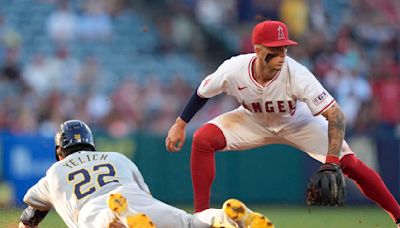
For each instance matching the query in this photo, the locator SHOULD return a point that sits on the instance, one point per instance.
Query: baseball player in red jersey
(281, 102)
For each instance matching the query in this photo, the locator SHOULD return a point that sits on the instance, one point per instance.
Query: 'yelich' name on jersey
(85, 158)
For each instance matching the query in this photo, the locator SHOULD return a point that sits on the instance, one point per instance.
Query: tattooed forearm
(336, 129)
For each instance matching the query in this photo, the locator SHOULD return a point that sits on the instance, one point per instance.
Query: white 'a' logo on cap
(281, 35)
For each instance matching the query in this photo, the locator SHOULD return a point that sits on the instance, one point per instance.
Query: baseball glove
(327, 187)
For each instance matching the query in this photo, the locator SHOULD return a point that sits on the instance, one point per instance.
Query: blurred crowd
(353, 47)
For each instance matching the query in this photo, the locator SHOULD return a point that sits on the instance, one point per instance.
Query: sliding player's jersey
(81, 177)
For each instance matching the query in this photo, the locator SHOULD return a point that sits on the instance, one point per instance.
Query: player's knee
(199, 138)
(209, 136)
(349, 163)
(202, 137)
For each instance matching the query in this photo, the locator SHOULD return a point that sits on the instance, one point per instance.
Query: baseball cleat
(125, 217)
(246, 218)
(139, 220)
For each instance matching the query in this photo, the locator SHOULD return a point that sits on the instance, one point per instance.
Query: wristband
(32, 216)
(332, 159)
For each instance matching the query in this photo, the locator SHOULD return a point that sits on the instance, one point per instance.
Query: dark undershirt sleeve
(194, 104)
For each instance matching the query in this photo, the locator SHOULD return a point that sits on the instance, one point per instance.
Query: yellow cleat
(139, 220)
(246, 218)
(257, 220)
(117, 203)
(124, 217)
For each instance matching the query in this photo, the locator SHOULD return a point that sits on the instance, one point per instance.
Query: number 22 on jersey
(82, 179)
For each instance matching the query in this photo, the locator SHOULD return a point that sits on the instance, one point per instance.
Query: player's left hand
(21, 225)
(327, 187)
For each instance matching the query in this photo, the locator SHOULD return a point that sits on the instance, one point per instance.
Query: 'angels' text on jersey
(272, 106)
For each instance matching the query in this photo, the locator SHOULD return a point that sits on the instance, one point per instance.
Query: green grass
(9, 218)
(320, 217)
(282, 217)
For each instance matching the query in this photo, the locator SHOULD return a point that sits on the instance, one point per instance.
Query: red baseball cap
(272, 34)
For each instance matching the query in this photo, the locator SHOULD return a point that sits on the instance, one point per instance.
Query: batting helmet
(73, 136)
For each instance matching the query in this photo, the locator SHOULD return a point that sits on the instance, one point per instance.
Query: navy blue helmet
(73, 136)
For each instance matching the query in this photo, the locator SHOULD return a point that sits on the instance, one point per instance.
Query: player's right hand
(176, 136)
